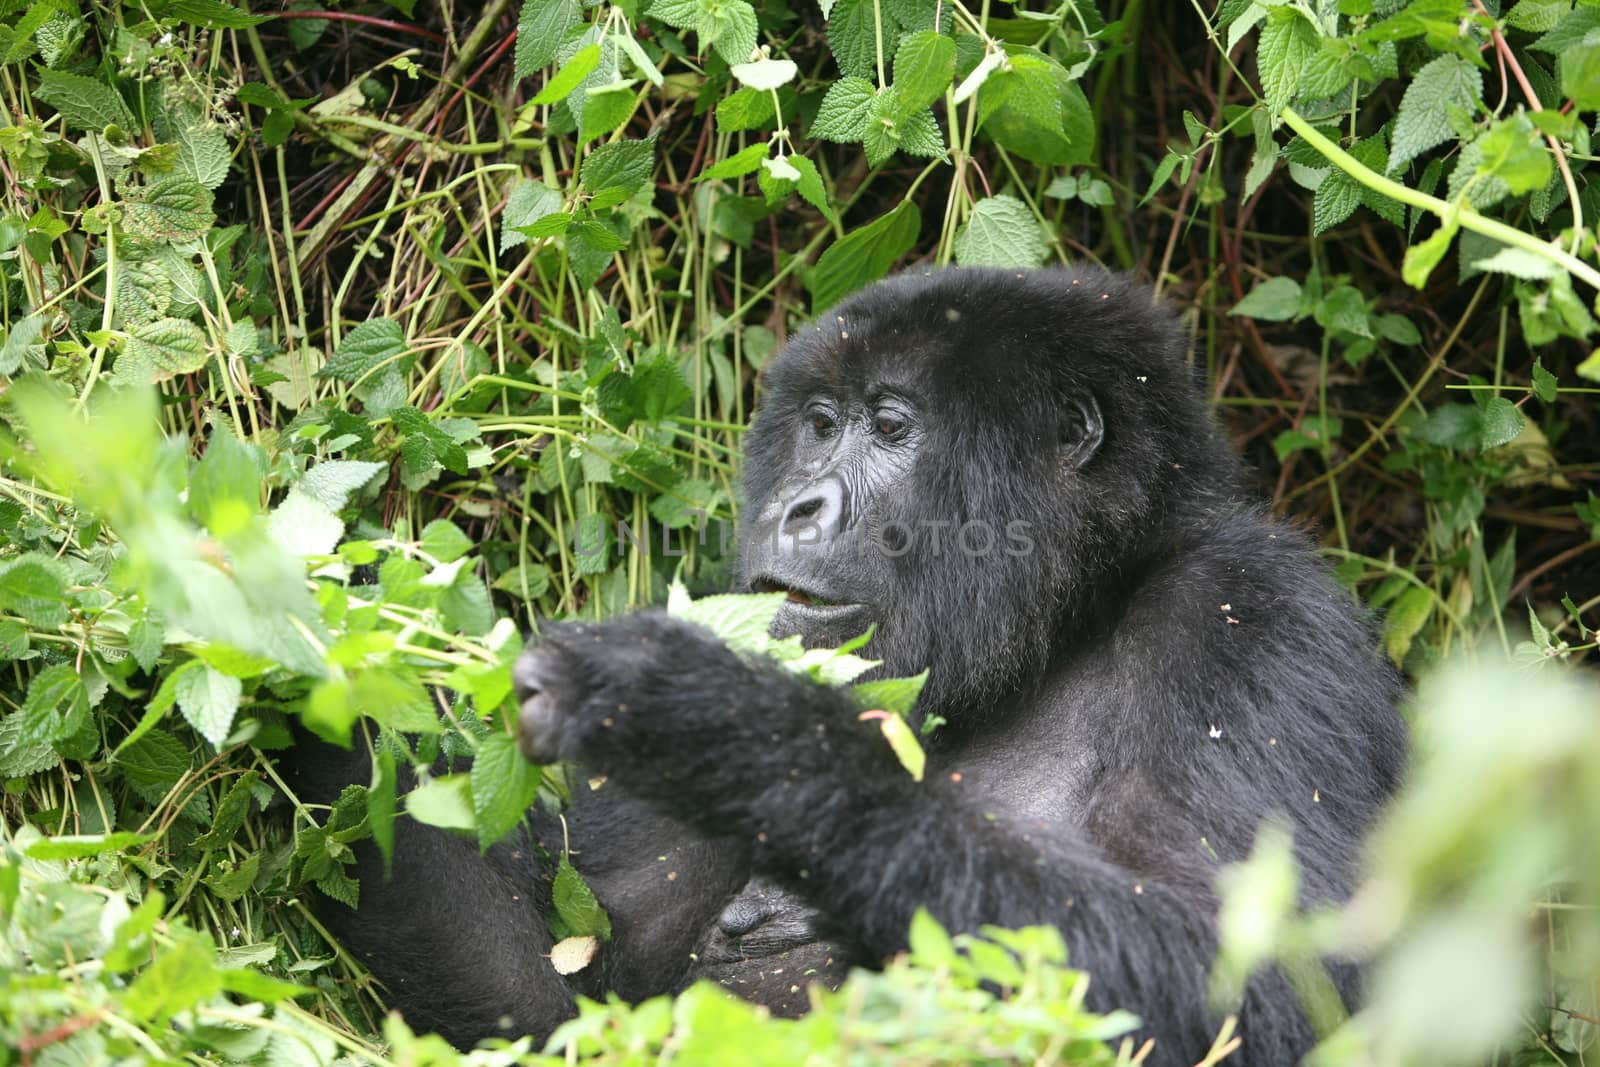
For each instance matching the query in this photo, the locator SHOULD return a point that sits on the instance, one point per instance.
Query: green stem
(1462, 214)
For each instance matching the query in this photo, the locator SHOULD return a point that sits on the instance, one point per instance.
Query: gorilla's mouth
(795, 596)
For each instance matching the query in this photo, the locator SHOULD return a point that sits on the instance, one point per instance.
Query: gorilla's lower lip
(796, 595)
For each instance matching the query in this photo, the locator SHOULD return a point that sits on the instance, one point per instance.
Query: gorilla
(1012, 479)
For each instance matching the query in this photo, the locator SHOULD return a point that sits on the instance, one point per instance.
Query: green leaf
(746, 109)
(741, 621)
(504, 786)
(444, 541)
(810, 186)
(35, 586)
(1423, 119)
(529, 202)
(924, 67)
(369, 345)
(1336, 200)
(85, 104)
(444, 802)
(904, 744)
(1420, 259)
(561, 84)
(209, 699)
(1274, 300)
(210, 14)
(1288, 42)
(22, 335)
(1344, 308)
(331, 482)
(1501, 424)
(77, 846)
(623, 164)
(852, 38)
(898, 695)
(18, 758)
(863, 255)
(541, 27)
(575, 905)
(159, 350)
(1571, 32)
(1544, 383)
(606, 108)
(182, 975)
(1406, 618)
(729, 26)
(747, 161)
(173, 209)
(846, 109)
(1035, 108)
(1514, 152)
(56, 707)
(1001, 232)
(153, 764)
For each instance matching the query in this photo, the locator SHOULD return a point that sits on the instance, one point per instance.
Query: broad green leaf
(1405, 619)
(85, 103)
(1274, 300)
(370, 345)
(746, 109)
(846, 109)
(746, 161)
(561, 84)
(1519, 263)
(159, 350)
(209, 700)
(331, 482)
(504, 785)
(641, 61)
(1501, 424)
(1344, 308)
(529, 202)
(21, 336)
(1423, 119)
(444, 541)
(1336, 200)
(1001, 232)
(182, 975)
(173, 209)
(1571, 32)
(924, 67)
(1514, 152)
(625, 164)
(19, 758)
(852, 38)
(729, 26)
(1287, 43)
(77, 846)
(210, 14)
(541, 27)
(1421, 258)
(606, 108)
(580, 914)
(1580, 73)
(863, 255)
(741, 621)
(56, 706)
(898, 695)
(153, 764)
(443, 802)
(1034, 108)
(811, 187)
(1544, 383)
(34, 586)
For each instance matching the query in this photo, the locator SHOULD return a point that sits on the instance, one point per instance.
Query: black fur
(1143, 666)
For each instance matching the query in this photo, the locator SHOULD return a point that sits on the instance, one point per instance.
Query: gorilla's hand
(680, 720)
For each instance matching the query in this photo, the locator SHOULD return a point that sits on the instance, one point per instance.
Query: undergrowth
(342, 346)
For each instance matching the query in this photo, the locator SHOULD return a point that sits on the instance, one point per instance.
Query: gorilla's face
(819, 535)
(908, 471)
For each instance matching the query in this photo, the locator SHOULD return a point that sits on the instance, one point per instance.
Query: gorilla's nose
(815, 515)
(536, 717)
(747, 912)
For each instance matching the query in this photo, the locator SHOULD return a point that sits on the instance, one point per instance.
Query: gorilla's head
(974, 461)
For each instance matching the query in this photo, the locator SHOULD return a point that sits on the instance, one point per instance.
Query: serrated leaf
(744, 110)
(1032, 106)
(85, 104)
(846, 109)
(863, 255)
(504, 785)
(1423, 119)
(156, 351)
(606, 108)
(1336, 200)
(21, 336)
(34, 586)
(153, 764)
(625, 164)
(331, 482)
(368, 346)
(1287, 43)
(541, 27)
(560, 85)
(575, 905)
(1501, 423)
(56, 706)
(209, 14)
(1519, 264)
(173, 209)
(924, 67)
(811, 187)
(19, 759)
(1001, 232)
(730, 27)
(529, 202)
(898, 695)
(1544, 383)
(741, 621)
(209, 700)
(1274, 300)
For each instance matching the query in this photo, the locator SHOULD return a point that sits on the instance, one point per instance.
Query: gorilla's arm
(744, 748)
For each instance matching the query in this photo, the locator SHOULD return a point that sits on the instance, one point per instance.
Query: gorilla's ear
(1082, 430)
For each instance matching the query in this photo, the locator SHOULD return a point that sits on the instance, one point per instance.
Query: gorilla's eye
(821, 422)
(888, 426)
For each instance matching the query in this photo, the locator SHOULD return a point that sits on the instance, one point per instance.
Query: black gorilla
(1012, 476)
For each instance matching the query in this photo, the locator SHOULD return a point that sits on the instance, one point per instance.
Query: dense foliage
(341, 346)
